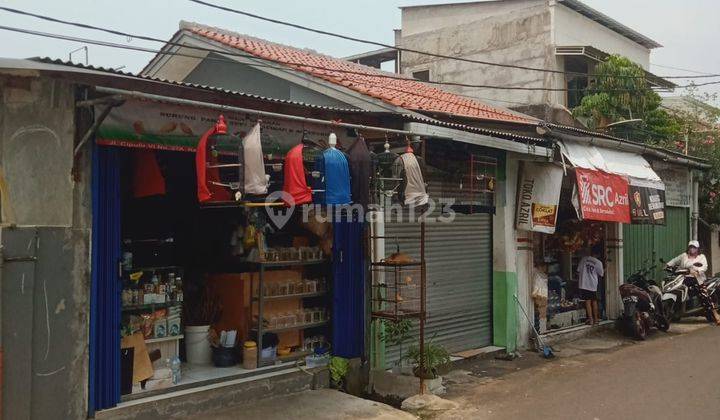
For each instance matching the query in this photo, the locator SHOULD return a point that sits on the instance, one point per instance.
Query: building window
(422, 75)
(576, 83)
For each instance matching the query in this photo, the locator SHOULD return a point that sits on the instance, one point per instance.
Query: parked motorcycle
(642, 305)
(679, 302)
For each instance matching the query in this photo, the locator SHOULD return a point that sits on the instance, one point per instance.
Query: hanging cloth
(255, 180)
(294, 182)
(148, 179)
(414, 193)
(335, 177)
(360, 170)
(206, 189)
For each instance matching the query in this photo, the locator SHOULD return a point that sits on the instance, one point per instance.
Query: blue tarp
(348, 319)
(104, 369)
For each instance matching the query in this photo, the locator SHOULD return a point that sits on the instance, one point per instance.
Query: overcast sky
(688, 29)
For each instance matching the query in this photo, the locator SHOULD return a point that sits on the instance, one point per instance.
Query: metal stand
(391, 280)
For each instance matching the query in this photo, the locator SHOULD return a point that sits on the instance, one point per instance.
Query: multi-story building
(557, 35)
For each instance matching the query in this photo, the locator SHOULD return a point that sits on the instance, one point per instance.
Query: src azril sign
(603, 196)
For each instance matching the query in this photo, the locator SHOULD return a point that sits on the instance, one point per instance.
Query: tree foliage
(620, 92)
(700, 124)
(614, 97)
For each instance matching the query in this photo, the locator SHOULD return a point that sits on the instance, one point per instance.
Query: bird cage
(223, 163)
(478, 183)
(398, 285)
(397, 293)
(385, 183)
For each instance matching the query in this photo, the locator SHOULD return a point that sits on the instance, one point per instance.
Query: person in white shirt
(696, 262)
(590, 270)
(688, 259)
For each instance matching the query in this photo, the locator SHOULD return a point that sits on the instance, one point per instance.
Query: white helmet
(696, 244)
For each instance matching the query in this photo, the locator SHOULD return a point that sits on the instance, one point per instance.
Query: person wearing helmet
(696, 263)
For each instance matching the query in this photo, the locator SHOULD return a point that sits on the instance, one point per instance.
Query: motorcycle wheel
(639, 327)
(669, 310)
(663, 324)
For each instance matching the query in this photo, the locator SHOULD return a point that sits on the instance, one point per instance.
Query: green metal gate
(644, 245)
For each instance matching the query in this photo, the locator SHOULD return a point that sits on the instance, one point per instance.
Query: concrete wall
(240, 77)
(573, 29)
(505, 269)
(516, 32)
(519, 32)
(45, 295)
(36, 152)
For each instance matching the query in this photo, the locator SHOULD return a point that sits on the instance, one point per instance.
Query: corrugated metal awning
(610, 161)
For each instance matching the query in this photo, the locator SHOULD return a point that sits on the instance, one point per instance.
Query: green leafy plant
(338, 370)
(396, 333)
(619, 92)
(426, 365)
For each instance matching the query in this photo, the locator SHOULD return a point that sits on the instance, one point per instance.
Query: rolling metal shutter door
(459, 280)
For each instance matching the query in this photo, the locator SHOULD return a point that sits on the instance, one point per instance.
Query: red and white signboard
(603, 196)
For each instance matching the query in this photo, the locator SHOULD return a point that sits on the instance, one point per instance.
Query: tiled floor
(192, 374)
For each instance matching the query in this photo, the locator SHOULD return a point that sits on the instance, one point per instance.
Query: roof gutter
(633, 147)
(428, 130)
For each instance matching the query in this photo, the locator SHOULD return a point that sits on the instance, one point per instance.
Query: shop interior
(560, 253)
(192, 300)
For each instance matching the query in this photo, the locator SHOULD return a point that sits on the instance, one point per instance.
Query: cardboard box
(160, 328)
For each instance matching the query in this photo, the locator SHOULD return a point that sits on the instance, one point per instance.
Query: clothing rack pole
(226, 108)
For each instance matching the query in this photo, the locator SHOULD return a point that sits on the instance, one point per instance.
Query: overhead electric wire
(411, 50)
(291, 64)
(701, 73)
(149, 50)
(153, 39)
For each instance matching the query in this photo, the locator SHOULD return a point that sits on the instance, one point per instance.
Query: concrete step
(197, 401)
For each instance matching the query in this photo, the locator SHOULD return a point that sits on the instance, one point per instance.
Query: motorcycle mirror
(662, 260)
(697, 264)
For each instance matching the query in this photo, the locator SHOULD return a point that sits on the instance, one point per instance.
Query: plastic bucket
(224, 356)
(197, 346)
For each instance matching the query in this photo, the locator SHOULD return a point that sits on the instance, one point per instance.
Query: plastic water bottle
(175, 368)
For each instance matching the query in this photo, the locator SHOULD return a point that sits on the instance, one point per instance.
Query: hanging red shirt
(295, 182)
(148, 180)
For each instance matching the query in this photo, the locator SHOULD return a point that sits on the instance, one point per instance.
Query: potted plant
(426, 365)
(396, 333)
(200, 314)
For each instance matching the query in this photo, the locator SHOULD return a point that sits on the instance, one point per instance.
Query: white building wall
(511, 32)
(573, 29)
(519, 32)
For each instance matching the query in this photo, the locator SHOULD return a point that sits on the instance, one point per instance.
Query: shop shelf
(293, 327)
(267, 264)
(168, 338)
(294, 355)
(150, 268)
(390, 264)
(146, 306)
(293, 296)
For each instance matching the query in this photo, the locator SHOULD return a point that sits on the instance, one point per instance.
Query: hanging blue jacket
(334, 176)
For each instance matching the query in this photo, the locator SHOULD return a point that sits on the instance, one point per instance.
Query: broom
(547, 351)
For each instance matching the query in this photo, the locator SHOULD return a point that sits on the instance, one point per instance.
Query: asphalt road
(674, 376)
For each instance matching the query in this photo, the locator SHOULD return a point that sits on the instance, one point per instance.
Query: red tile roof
(406, 93)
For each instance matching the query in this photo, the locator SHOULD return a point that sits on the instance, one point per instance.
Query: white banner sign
(677, 187)
(538, 197)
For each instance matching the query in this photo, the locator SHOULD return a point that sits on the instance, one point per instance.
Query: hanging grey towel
(415, 193)
(255, 180)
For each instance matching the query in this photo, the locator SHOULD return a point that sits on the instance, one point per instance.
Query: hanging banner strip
(538, 197)
(647, 202)
(602, 196)
(154, 125)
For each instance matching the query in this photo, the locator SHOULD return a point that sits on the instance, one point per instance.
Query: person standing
(590, 270)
